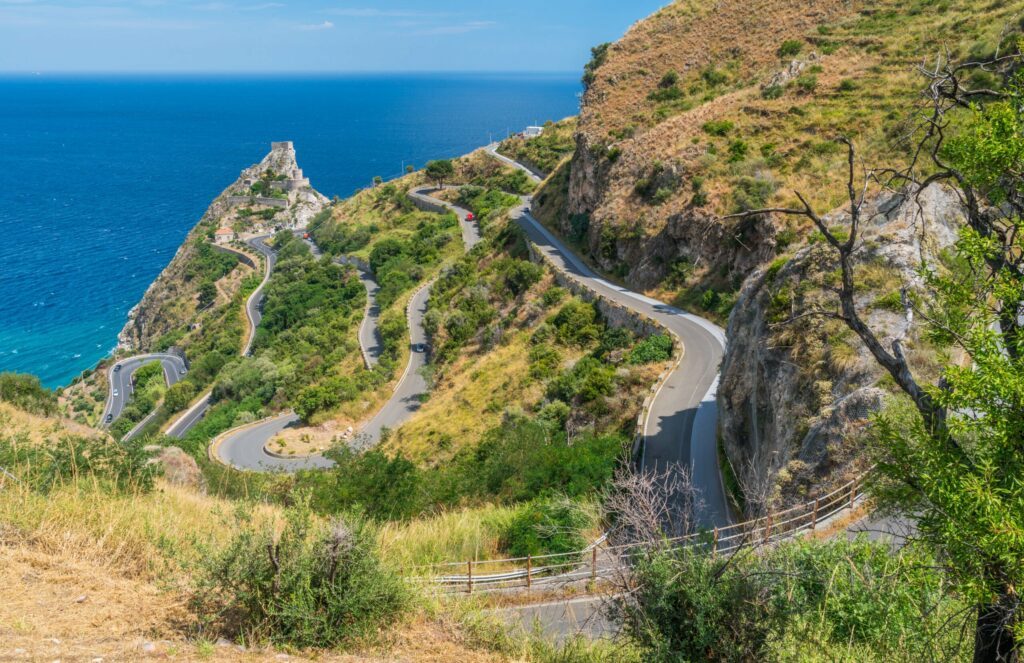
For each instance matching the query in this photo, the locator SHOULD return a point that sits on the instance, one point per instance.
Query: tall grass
(143, 534)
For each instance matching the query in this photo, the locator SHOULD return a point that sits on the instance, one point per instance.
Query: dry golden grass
(86, 574)
(472, 399)
(36, 429)
(55, 606)
(452, 535)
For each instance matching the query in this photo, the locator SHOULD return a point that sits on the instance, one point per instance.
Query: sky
(261, 36)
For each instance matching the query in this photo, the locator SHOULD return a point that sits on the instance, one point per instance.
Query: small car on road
(117, 367)
(108, 418)
(116, 392)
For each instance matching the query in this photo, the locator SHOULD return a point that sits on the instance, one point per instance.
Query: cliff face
(173, 302)
(706, 110)
(639, 170)
(795, 393)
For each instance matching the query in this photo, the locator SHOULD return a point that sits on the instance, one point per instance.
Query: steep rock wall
(795, 393)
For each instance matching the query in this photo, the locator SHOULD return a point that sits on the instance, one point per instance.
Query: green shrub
(847, 85)
(775, 267)
(784, 238)
(826, 600)
(662, 195)
(598, 54)
(25, 392)
(587, 381)
(670, 79)
(892, 301)
(738, 150)
(653, 348)
(790, 48)
(717, 127)
(309, 586)
(123, 467)
(579, 224)
(709, 299)
(713, 78)
(553, 295)
(772, 92)
(518, 275)
(547, 527)
(576, 323)
(806, 83)
(672, 93)
(544, 361)
(752, 193)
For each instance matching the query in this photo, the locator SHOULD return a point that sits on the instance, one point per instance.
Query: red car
(469, 216)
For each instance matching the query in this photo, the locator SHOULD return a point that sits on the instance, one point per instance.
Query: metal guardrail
(602, 561)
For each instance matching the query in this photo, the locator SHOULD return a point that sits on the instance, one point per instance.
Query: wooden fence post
(469, 575)
(768, 529)
(853, 492)
(814, 514)
(714, 544)
(593, 564)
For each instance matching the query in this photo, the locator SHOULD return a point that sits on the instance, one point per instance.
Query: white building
(532, 132)
(224, 236)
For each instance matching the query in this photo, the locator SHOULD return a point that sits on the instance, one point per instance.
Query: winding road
(120, 376)
(245, 447)
(681, 424)
(180, 427)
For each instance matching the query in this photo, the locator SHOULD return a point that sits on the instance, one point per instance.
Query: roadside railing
(602, 560)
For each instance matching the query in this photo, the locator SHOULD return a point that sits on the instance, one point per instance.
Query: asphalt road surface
(254, 305)
(120, 381)
(681, 427)
(246, 448)
(470, 230)
(254, 313)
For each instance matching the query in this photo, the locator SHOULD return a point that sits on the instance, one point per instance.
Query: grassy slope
(865, 87)
(130, 557)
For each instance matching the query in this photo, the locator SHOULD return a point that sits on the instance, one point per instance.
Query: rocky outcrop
(795, 393)
(170, 301)
(601, 209)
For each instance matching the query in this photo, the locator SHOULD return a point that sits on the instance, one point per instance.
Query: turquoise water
(104, 176)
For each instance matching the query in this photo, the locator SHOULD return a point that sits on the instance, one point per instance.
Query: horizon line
(283, 72)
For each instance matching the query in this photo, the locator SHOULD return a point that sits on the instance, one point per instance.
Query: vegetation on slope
(545, 152)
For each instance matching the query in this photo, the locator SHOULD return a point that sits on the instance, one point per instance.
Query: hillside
(701, 111)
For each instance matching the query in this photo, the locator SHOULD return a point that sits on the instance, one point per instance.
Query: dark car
(117, 367)
(109, 418)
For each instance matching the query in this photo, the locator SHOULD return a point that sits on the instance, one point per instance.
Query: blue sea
(102, 177)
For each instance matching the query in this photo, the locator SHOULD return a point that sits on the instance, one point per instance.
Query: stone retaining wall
(242, 257)
(281, 203)
(620, 316)
(428, 205)
(355, 262)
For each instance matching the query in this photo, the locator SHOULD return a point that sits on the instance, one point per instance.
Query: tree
(207, 294)
(378, 180)
(410, 169)
(178, 396)
(439, 171)
(954, 457)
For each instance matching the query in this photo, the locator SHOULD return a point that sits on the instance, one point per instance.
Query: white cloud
(326, 25)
